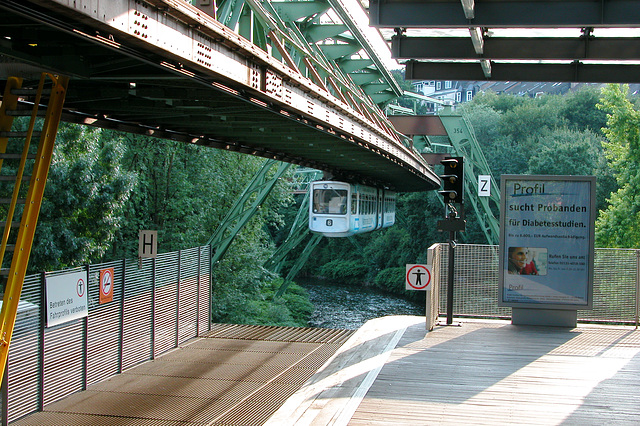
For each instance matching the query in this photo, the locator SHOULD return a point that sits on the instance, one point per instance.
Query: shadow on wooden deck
(484, 372)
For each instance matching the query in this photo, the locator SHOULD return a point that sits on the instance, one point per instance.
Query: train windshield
(330, 201)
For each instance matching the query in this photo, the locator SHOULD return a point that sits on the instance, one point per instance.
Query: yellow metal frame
(23, 159)
(31, 211)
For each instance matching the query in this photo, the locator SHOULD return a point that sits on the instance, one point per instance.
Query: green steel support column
(465, 144)
(228, 12)
(300, 227)
(244, 208)
(313, 242)
(299, 230)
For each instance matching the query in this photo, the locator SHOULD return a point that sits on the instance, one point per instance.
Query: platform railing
(615, 289)
(157, 305)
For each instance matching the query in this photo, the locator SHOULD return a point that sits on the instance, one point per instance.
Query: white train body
(340, 209)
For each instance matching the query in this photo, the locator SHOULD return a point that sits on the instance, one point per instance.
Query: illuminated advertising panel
(547, 241)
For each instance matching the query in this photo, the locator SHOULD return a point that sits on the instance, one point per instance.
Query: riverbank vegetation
(105, 186)
(586, 132)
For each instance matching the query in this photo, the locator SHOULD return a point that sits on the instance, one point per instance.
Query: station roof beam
(507, 40)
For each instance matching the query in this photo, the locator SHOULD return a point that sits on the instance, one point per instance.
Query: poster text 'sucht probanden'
(547, 240)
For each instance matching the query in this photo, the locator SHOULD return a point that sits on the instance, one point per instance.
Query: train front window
(330, 201)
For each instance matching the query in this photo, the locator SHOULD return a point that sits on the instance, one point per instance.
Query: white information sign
(148, 244)
(547, 241)
(418, 277)
(484, 186)
(66, 297)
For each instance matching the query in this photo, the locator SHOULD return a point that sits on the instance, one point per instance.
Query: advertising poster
(547, 241)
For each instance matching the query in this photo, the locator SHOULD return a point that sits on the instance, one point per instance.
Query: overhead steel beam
(549, 48)
(477, 39)
(354, 19)
(575, 72)
(505, 14)
(430, 125)
(468, 6)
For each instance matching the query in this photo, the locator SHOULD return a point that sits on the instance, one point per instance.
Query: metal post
(452, 245)
(452, 223)
(5, 394)
(178, 300)
(41, 339)
(85, 338)
(637, 286)
(153, 308)
(121, 319)
(198, 292)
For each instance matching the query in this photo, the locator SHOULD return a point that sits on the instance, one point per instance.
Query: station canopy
(505, 40)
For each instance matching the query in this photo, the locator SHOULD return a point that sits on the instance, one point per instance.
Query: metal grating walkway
(233, 375)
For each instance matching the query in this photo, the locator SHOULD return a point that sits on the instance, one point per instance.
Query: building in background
(453, 92)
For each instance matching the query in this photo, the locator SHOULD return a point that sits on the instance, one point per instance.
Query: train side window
(354, 203)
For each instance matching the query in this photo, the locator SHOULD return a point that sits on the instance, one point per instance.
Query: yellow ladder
(31, 208)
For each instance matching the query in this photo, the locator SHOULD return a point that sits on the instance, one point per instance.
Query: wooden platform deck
(389, 372)
(481, 373)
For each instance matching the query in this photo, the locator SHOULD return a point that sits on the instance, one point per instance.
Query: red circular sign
(418, 277)
(80, 287)
(107, 282)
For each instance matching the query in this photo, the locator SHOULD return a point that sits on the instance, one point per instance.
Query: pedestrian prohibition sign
(418, 277)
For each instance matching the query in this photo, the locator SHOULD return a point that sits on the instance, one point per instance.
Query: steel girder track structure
(292, 81)
(460, 142)
(465, 144)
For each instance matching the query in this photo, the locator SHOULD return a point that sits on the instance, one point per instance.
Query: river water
(349, 307)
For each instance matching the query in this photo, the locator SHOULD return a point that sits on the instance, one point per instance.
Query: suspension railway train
(340, 209)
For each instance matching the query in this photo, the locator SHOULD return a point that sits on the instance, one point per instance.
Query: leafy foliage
(104, 187)
(619, 224)
(84, 200)
(343, 271)
(557, 135)
(552, 134)
(237, 305)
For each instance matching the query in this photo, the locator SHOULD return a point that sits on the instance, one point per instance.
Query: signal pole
(452, 192)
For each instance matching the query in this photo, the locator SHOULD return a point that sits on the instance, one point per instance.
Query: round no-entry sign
(418, 277)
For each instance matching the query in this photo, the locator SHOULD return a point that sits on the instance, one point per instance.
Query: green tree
(84, 200)
(181, 193)
(525, 123)
(564, 152)
(184, 191)
(619, 224)
(581, 112)
(499, 103)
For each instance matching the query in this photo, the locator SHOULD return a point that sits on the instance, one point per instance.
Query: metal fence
(157, 305)
(615, 287)
(160, 303)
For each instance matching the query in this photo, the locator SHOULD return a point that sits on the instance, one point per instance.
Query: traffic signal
(453, 179)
